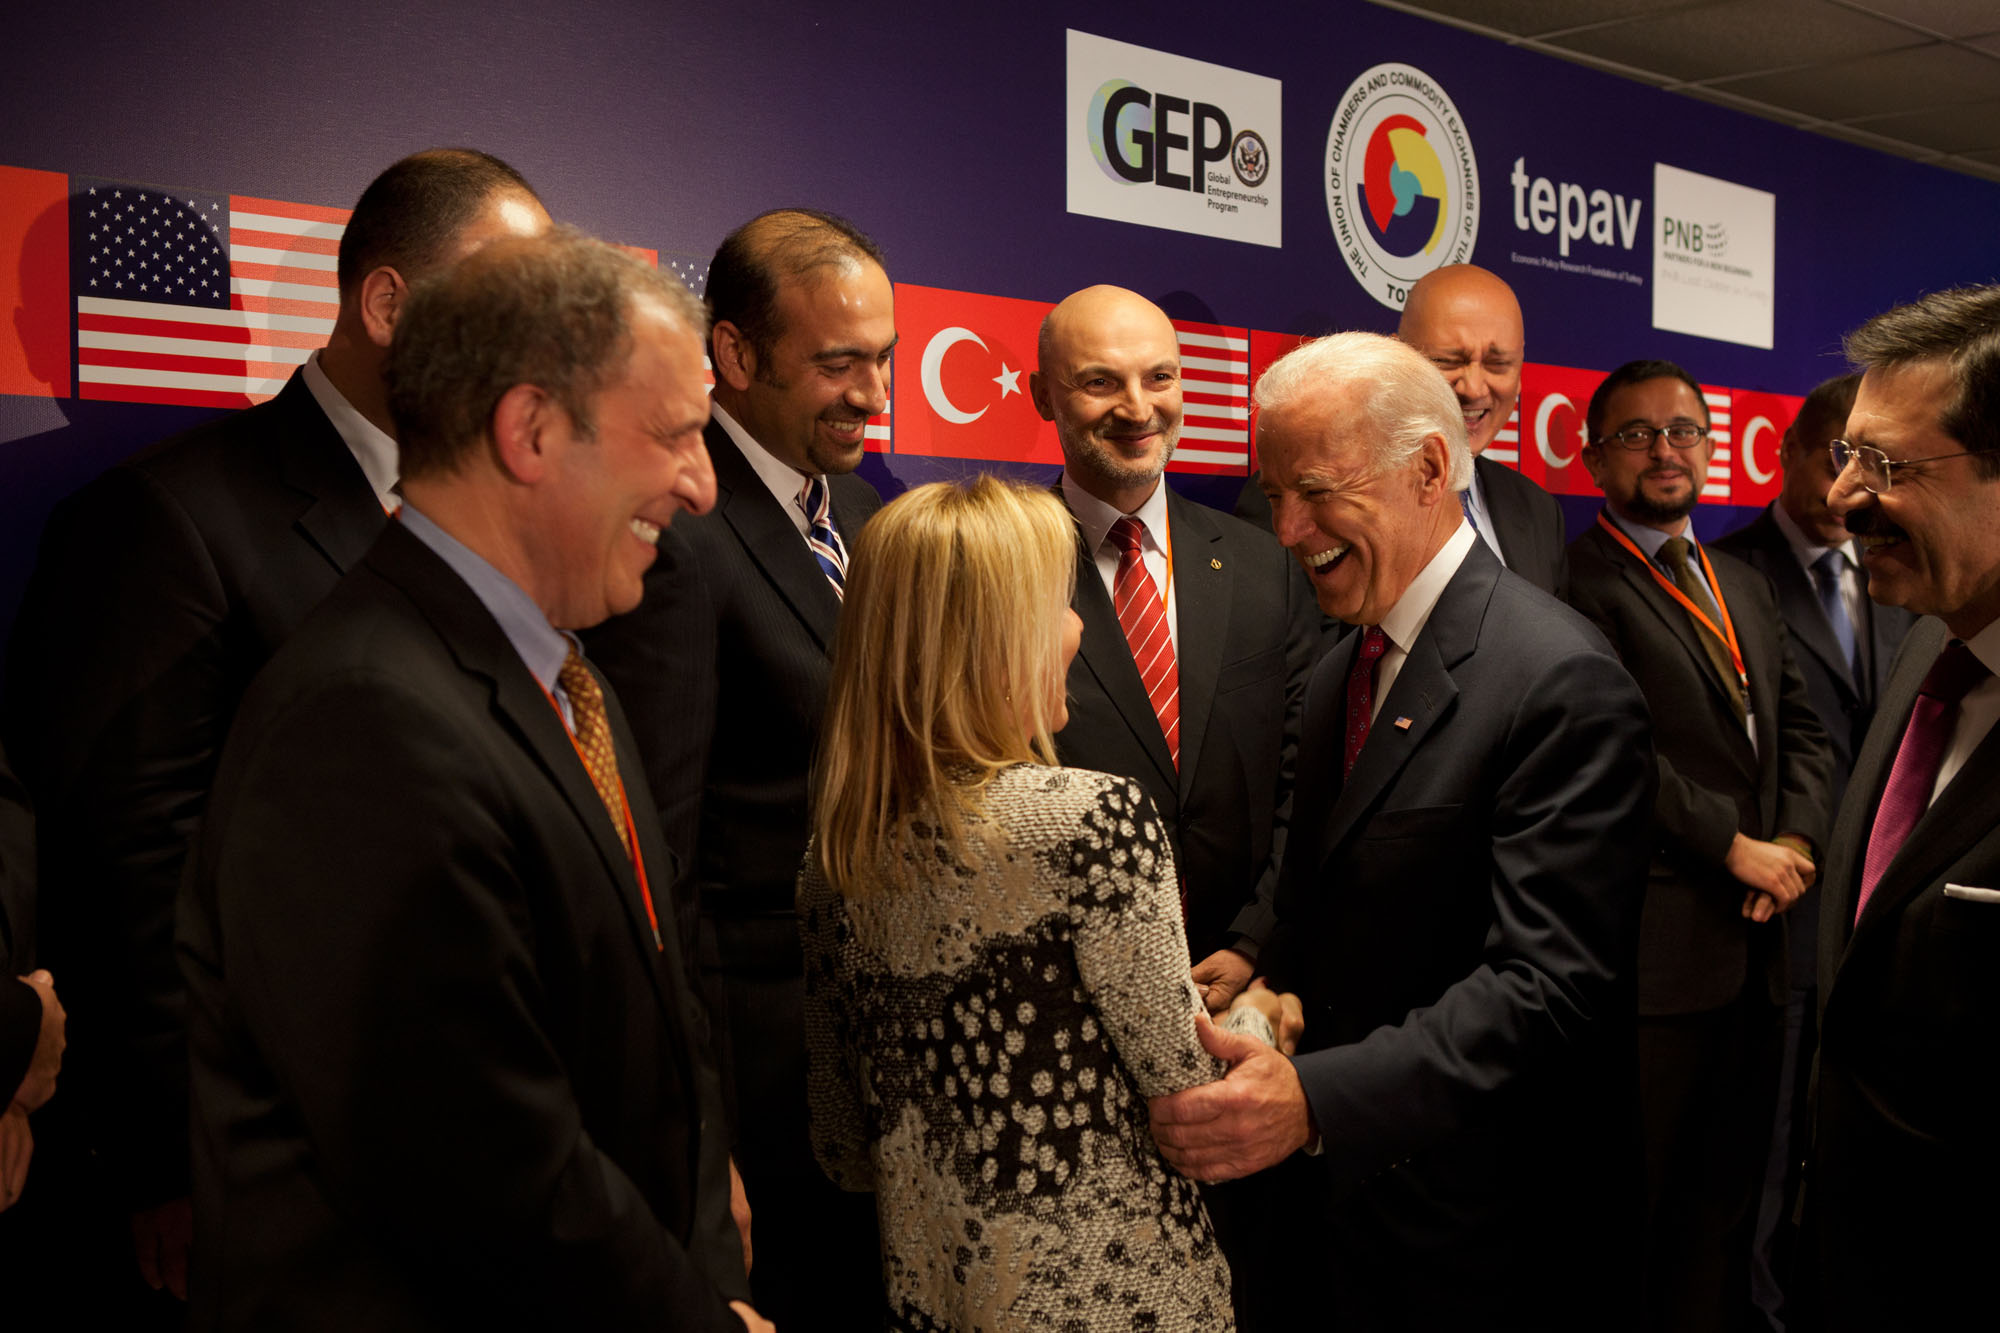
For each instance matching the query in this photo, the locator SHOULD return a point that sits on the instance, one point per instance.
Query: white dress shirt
(1977, 711)
(1412, 611)
(1482, 517)
(1853, 589)
(784, 480)
(369, 443)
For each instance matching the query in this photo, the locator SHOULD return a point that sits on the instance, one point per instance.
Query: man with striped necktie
(724, 670)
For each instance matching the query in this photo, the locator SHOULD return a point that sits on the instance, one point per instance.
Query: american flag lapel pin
(1402, 724)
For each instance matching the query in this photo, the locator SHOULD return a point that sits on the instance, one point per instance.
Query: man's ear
(523, 433)
(735, 359)
(1434, 469)
(1592, 456)
(383, 296)
(1038, 390)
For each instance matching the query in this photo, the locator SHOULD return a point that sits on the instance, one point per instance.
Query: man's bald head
(1468, 323)
(1109, 377)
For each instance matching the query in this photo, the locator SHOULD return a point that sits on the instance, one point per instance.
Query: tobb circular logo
(1402, 184)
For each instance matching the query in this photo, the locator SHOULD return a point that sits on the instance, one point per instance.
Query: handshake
(1269, 1016)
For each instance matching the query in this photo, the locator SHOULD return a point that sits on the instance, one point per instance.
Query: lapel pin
(1402, 724)
(1213, 563)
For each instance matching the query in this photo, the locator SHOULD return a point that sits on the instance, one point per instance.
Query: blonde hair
(947, 667)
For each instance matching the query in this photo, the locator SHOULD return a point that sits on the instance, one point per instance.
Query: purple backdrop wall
(942, 132)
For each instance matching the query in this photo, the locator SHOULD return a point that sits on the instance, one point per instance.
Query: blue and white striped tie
(823, 537)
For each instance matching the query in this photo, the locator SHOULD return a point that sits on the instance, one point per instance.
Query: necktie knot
(1829, 566)
(1954, 675)
(1128, 535)
(1674, 553)
(821, 536)
(1373, 643)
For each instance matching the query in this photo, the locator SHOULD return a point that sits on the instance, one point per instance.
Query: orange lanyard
(1727, 634)
(625, 809)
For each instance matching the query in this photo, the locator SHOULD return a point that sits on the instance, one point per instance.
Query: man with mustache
(1899, 1194)
(723, 669)
(1844, 644)
(1741, 809)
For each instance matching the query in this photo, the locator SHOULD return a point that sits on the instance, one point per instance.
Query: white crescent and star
(1757, 474)
(1542, 415)
(932, 375)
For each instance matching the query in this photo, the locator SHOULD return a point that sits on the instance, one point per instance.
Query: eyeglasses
(1876, 465)
(1638, 439)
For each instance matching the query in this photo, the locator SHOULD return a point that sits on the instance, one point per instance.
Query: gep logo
(1402, 185)
(1165, 141)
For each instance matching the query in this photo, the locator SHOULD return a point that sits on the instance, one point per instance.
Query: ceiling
(1917, 78)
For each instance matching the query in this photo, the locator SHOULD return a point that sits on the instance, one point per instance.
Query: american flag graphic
(1716, 488)
(1506, 445)
(201, 299)
(1215, 399)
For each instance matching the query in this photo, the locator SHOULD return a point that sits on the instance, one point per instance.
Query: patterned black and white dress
(982, 1046)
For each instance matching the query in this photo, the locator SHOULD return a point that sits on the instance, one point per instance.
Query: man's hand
(739, 1209)
(753, 1321)
(1282, 1011)
(1252, 1118)
(161, 1237)
(1778, 874)
(1220, 976)
(17, 1145)
(39, 1084)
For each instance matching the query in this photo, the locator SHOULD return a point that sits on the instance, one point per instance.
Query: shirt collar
(779, 477)
(543, 647)
(1649, 539)
(1412, 611)
(1985, 646)
(1805, 549)
(371, 446)
(1096, 517)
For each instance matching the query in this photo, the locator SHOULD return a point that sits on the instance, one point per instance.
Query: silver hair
(1403, 398)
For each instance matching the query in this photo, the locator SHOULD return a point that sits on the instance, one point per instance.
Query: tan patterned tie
(593, 739)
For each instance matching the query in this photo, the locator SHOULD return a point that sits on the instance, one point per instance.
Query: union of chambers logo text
(1402, 185)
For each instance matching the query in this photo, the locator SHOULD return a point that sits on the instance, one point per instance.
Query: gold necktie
(1674, 551)
(593, 739)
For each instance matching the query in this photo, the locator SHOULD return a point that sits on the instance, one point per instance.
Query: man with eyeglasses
(1906, 1161)
(1742, 806)
(1843, 644)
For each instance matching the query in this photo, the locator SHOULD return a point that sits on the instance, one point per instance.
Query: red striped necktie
(1144, 620)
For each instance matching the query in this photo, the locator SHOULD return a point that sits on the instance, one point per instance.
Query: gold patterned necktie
(1674, 551)
(592, 731)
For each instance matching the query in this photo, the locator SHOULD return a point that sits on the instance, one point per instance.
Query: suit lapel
(344, 516)
(1107, 656)
(1673, 615)
(1202, 582)
(1962, 813)
(1510, 525)
(1423, 693)
(773, 541)
(1798, 602)
(482, 649)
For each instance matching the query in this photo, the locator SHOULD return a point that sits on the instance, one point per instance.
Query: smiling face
(828, 370)
(610, 495)
(1362, 535)
(1932, 544)
(1110, 380)
(1656, 487)
(1467, 322)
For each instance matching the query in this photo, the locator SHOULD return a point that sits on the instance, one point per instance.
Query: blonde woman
(996, 974)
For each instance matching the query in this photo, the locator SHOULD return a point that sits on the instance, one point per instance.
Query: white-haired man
(1459, 907)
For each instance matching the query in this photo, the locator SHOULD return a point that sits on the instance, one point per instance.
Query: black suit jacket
(724, 667)
(442, 1076)
(1905, 1162)
(1697, 951)
(20, 1009)
(1845, 705)
(1527, 521)
(1247, 631)
(1460, 917)
(161, 589)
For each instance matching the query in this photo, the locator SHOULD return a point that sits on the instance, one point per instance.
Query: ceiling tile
(1740, 37)
(1947, 18)
(1958, 129)
(1914, 79)
(1529, 18)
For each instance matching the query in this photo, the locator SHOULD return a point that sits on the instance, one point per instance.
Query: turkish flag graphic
(962, 365)
(1553, 403)
(1760, 420)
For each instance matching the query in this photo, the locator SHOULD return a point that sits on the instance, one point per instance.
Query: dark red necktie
(1144, 620)
(1915, 772)
(1361, 691)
